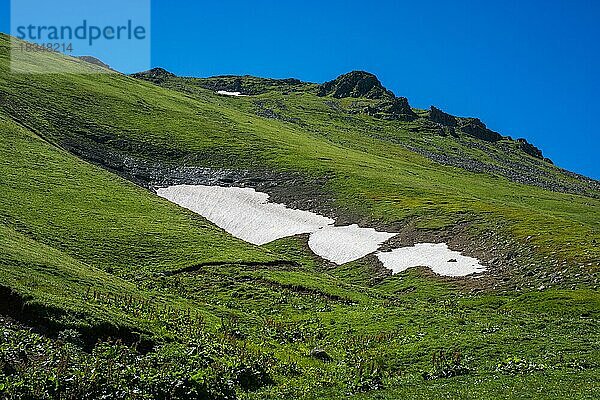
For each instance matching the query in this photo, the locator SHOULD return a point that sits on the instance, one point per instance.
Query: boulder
(320, 354)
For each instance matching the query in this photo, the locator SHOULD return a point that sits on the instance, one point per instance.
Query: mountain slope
(56, 198)
(198, 313)
(145, 132)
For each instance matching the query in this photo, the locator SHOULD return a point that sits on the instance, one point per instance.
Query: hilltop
(466, 142)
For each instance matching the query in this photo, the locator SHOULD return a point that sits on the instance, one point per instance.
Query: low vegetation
(108, 291)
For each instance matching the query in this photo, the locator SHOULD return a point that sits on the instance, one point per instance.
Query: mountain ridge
(354, 84)
(500, 150)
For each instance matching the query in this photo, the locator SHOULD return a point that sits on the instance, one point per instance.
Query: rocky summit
(361, 84)
(95, 61)
(155, 75)
(355, 84)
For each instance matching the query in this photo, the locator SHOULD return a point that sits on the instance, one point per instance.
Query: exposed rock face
(474, 127)
(155, 75)
(95, 61)
(530, 149)
(440, 117)
(396, 109)
(355, 84)
(360, 84)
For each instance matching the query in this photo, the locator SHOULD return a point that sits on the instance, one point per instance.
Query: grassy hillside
(90, 263)
(368, 172)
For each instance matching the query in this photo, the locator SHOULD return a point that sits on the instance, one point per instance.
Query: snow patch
(436, 256)
(244, 212)
(226, 93)
(248, 215)
(342, 244)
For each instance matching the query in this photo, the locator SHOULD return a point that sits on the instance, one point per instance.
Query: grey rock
(440, 117)
(320, 354)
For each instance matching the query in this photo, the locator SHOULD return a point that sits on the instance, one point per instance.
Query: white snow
(248, 215)
(244, 212)
(226, 93)
(342, 244)
(436, 256)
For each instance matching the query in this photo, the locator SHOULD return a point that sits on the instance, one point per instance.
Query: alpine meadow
(430, 257)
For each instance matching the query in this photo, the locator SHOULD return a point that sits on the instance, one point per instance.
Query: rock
(450, 130)
(95, 61)
(440, 117)
(452, 260)
(355, 84)
(320, 354)
(360, 84)
(249, 85)
(228, 84)
(155, 75)
(530, 149)
(474, 127)
(396, 109)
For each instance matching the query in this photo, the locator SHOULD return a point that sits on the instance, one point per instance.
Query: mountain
(95, 61)
(107, 286)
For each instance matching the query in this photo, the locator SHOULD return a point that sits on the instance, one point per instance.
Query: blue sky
(527, 68)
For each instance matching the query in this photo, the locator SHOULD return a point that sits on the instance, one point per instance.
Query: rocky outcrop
(440, 117)
(355, 84)
(477, 129)
(530, 149)
(321, 355)
(95, 61)
(360, 84)
(396, 109)
(155, 75)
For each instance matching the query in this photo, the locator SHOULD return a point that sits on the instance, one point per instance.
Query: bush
(36, 367)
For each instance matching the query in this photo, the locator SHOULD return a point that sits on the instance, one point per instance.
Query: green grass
(103, 220)
(84, 249)
(369, 174)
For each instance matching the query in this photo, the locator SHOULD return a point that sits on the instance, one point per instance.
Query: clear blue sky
(527, 68)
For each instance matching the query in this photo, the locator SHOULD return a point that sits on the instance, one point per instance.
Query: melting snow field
(342, 244)
(226, 93)
(436, 256)
(248, 215)
(244, 212)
